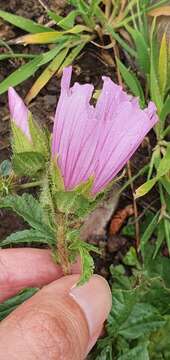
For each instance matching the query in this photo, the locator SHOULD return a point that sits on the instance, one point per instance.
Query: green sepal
(39, 137)
(85, 188)
(70, 202)
(28, 163)
(20, 142)
(57, 182)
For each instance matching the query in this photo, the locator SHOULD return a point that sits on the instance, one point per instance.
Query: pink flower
(19, 112)
(97, 141)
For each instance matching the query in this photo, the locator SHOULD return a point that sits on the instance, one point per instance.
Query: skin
(62, 321)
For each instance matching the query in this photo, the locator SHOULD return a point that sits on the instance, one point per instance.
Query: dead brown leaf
(161, 11)
(119, 218)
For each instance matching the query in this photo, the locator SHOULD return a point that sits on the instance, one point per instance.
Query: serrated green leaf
(130, 258)
(29, 209)
(28, 163)
(87, 265)
(139, 352)
(11, 304)
(142, 320)
(131, 81)
(28, 237)
(23, 23)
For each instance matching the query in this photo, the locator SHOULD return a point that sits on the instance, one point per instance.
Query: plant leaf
(145, 188)
(29, 209)
(22, 23)
(87, 264)
(142, 49)
(5, 168)
(154, 83)
(131, 81)
(21, 74)
(68, 21)
(72, 56)
(165, 111)
(164, 165)
(46, 75)
(160, 11)
(149, 231)
(40, 38)
(11, 304)
(28, 163)
(163, 64)
(27, 70)
(139, 352)
(142, 320)
(30, 236)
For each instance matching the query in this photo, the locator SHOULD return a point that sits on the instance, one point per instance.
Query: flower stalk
(61, 244)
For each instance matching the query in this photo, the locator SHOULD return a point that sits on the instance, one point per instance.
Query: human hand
(60, 322)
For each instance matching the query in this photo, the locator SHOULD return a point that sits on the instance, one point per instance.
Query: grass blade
(121, 42)
(163, 65)
(28, 69)
(149, 231)
(46, 75)
(22, 23)
(131, 81)
(16, 56)
(142, 49)
(21, 74)
(71, 57)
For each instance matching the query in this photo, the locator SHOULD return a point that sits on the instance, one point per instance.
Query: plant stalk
(62, 250)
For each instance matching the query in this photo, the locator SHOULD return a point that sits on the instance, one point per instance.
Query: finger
(20, 268)
(59, 322)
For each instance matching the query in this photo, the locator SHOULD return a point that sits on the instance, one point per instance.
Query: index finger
(27, 267)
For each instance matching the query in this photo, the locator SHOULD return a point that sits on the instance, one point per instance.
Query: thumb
(60, 322)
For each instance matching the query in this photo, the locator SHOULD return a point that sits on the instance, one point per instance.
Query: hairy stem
(62, 250)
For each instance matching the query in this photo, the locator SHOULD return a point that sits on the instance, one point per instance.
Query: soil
(89, 67)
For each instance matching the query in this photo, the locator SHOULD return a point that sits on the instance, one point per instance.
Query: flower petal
(18, 111)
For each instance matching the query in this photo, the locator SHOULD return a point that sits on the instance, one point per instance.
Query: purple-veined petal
(19, 112)
(97, 141)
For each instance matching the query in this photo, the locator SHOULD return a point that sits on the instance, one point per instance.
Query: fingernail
(95, 300)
